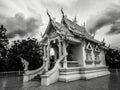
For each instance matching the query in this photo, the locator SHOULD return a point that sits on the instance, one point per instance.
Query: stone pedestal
(45, 80)
(71, 74)
(25, 78)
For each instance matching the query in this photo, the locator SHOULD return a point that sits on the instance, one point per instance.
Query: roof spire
(109, 46)
(93, 35)
(103, 40)
(48, 14)
(41, 35)
(83, 24)
(62, 12)
(75, 20)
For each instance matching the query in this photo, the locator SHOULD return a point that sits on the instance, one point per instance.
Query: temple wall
(80, 54)
(102, 58)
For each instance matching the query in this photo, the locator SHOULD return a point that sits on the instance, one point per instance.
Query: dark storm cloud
(19, 25)
(15, 33)
(108, 16)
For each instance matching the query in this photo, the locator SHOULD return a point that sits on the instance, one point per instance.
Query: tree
(113, 58)
(3, 48)
(29, 49)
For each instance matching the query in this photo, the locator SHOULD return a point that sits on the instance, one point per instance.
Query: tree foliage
(3, 48)
(29, 49)
(113, 58)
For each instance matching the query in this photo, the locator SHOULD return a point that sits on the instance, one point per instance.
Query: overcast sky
(28, 17)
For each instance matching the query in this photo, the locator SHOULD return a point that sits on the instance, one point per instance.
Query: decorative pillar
(61, 48)
(93, 57)
(46, 59)
(65, 52)
(59, 45)
(48, 53)
(47, 56)
(44, 47)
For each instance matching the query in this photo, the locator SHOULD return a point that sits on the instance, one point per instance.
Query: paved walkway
(111, 82)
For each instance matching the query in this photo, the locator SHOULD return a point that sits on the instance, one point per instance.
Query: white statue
(25, 64)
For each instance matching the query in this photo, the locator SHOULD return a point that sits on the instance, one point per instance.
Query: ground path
(111, 82)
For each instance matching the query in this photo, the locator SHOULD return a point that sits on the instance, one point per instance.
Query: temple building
(71, 53)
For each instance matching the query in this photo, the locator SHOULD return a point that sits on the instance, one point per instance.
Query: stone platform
(76, 73)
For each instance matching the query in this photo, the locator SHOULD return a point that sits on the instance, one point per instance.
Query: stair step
(38, 77)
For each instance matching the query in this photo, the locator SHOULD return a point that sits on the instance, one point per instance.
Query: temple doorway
(73, 54)
(54, 53)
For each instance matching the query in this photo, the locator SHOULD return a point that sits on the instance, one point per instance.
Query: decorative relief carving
(88, 50)
(97, 55)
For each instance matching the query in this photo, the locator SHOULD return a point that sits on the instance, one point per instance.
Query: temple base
(76, 73)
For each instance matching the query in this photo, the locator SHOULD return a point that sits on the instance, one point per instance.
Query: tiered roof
(61, 27)
(71, 28)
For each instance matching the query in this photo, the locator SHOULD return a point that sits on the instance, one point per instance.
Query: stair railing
(30, 74)
(52, 75)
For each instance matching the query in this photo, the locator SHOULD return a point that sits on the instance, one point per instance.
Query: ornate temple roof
(71, 28)
(60, 27)
(78, 30)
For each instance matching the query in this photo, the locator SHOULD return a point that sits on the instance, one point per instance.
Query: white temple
(71, 53)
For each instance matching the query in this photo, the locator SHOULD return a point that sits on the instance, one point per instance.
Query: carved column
(47, 53)
(59, 45)
(44, 47)
(46, 60)
(65, 52)
(61, 48)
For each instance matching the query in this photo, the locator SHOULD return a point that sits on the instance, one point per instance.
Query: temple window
(96, 57)
(88, 50)
(97, 54)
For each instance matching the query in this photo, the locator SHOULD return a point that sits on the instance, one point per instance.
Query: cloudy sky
(28, 17)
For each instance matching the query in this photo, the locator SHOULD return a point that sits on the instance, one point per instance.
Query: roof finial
(109, 46)
(75, 20)
(62, 11)
(103, 40)
(93, 35)
(48, 14)
(84, 24)
(41, 35)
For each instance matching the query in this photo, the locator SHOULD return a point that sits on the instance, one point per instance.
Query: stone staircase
(29, 75)
(38, 77)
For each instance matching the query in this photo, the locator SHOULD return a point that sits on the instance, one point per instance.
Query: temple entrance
(73, 54)
(54, 53)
